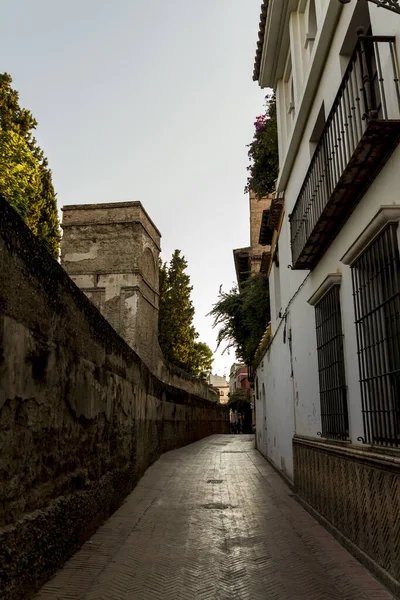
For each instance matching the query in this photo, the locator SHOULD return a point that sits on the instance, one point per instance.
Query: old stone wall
(111, 252)
(81, 415)
(257, 207)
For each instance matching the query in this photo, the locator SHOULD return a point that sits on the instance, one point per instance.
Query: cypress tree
(176, 333)
(25, 179)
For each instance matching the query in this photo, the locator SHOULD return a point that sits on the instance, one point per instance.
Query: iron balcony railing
(368, 97)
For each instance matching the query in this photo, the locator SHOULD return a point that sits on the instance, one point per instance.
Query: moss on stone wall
(81, 416)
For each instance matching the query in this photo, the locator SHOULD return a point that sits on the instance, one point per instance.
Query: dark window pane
(376, 277)
(332, 381)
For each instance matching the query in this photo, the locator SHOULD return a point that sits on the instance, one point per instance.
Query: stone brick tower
(111, 252)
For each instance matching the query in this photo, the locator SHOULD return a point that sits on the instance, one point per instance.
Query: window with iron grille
(376, 289)
(332, 380)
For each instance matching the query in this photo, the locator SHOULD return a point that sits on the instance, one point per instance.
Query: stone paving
(212, 520)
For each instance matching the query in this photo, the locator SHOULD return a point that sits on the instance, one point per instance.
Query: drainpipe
(292, 373)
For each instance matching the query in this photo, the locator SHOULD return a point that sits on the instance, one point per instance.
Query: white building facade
(222, 385)
(328, 384)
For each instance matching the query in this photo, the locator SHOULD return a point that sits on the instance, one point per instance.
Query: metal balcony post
(371, 112)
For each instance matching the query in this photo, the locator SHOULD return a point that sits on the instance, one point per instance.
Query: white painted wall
(384, 190)
(290, 378)
(274, 415)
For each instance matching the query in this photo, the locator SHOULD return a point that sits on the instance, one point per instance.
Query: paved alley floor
(212, 520)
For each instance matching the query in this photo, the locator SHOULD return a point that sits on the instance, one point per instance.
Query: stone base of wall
(355, 492)
(37, 545)
(81, 415)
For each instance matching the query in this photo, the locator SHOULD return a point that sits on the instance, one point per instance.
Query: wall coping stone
(383, 458)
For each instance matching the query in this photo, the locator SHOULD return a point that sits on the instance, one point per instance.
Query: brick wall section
(257, 206)
(248, 260)
(81, 416)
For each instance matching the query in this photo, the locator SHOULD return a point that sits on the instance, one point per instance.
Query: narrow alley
(212, 520)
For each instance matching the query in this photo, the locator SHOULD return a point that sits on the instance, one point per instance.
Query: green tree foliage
(263, 152)
(176, 333)
(12, 116)
(239, 400)
(25, 179)
(242, 316)
(201, 359)
(47, 223)
(19, 172)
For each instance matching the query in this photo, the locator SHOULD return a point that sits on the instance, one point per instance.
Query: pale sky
(151, 101)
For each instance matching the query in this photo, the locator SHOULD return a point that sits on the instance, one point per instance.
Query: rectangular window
(376, 289)
(332, 380)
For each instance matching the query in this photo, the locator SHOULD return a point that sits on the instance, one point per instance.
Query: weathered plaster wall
(81, 415)
(274, 404)
(257, 206)
(111, 252)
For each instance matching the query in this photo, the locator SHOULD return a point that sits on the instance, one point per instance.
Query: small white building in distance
(222, 385)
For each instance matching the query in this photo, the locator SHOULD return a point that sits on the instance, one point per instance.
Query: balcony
(360, 133)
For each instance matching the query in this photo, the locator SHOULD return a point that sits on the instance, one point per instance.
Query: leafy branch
(263, 152)
(242, 316)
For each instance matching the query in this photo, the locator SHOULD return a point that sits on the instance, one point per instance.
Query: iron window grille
(376, 291)
(332, 379)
